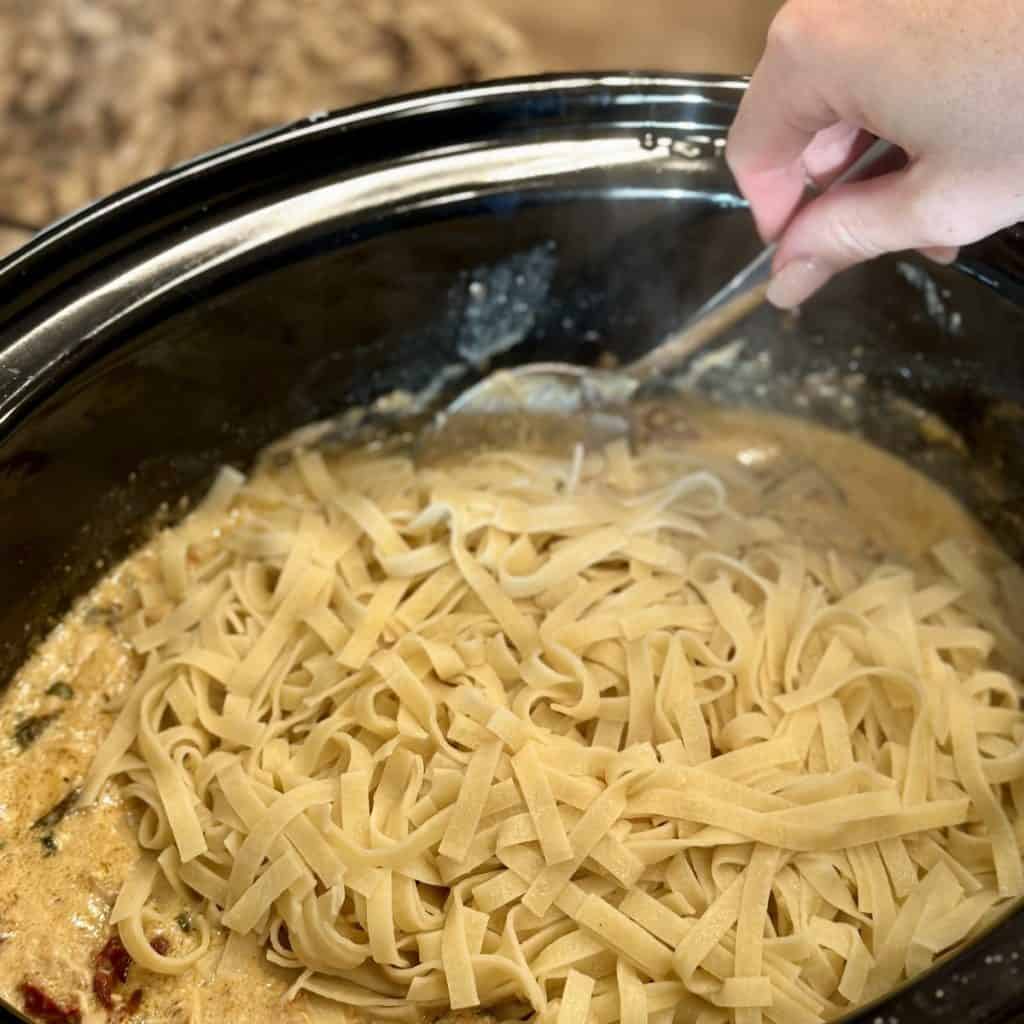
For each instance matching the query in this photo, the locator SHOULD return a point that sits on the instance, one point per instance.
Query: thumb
(849, 224)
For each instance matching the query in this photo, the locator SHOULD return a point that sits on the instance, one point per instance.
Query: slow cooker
(414, 244)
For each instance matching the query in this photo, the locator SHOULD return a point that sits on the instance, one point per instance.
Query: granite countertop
(97, 94)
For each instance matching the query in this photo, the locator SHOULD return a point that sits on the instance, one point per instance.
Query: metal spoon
(489, 409)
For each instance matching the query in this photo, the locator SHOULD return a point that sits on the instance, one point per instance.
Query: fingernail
(942, 254)
(797, 281)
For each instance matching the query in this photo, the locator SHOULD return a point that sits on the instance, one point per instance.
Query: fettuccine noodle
(566, 740)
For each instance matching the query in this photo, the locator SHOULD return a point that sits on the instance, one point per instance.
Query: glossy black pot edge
(164, 201)
(998, 262)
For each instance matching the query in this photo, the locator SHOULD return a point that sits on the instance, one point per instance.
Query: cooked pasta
(574, 739)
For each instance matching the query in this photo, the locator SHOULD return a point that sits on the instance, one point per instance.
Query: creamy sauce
(58, 879)
(832, 488)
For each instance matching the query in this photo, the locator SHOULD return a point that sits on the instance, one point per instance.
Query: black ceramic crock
(190, 320)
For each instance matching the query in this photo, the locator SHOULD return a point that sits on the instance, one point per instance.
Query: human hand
(942, 79)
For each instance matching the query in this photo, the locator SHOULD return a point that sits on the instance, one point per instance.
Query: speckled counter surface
(96, 94)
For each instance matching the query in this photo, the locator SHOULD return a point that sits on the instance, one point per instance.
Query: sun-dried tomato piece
(40, 1006)
(103, 987)
(115, 957)
(112, 964)
(130, 1006)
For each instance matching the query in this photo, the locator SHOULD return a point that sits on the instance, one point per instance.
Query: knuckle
(928, 221)
(958, 213)
(937, 211)
(741, 148)
(734, 158)
(851, 242)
